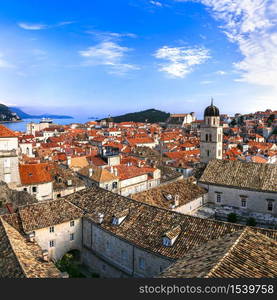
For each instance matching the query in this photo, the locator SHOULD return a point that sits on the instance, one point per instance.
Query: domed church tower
(211, 135)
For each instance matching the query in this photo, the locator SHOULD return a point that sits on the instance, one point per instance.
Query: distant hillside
(151, 115)
(24, 115)
(7, 115)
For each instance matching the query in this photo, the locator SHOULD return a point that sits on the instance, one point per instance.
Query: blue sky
(93, 58)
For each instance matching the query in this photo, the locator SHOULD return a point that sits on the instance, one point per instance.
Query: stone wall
(191, 206)
(256, 201)
(61, 238)
(110, 256)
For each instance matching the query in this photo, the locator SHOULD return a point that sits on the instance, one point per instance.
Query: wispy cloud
(180, 61)
(4, 63)
(252, 25)
(110, 36)
(109, 54)
(206, 82)
(29, 26)
(220, 72)
(41, 26)
(156, 3)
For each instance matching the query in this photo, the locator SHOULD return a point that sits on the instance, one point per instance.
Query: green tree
(68, 264)
(241, 120)
(251, 222)
(270, 120)
(233, 123)
(232, 217)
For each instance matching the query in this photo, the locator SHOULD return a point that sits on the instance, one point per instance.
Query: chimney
(31, 237)
(100, 218)
(69, 161)
(45, 255)
(112, 169)
(176, 200)
(115, 172)
(64, 275)
(90, 172)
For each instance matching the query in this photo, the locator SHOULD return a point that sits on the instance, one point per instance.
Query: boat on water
(46, 120)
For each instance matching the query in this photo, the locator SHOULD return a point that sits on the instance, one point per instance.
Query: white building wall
(61, 238)
(27, 149)
(67, 191)
(256, 201)
(132, 181)
(191, 206)
(8, 144)
(44, 191)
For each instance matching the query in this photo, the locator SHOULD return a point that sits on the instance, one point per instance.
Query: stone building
(65, 182)
(36, 180)
(121, 237)
(57, 232)
(20, 258)
(8, 156)
(182, 196)
(211, 135)
(220, 258)
(32, 127)
(180, 120)
(248, 186)
(98, 176)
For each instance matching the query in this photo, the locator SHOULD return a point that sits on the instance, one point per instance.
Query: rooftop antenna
(212, 101)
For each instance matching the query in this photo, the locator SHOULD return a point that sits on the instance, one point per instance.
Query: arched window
(210, 136)
(208, 152)
(207, 137)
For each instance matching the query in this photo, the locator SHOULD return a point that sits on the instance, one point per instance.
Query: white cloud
(40, 26)
(252, 25)
(156, 3)
(29, 26)
(181, 61)
(110, 36)
(206, 82)
(4, 63)
(220, 72)
(109, 54)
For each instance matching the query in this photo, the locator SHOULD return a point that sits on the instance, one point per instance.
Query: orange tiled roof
(134, 141)
(34, 173)
(126, 172)
(6, 132)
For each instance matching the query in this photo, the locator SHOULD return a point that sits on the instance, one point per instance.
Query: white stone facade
(248, 200)
(57, 240)
(42, 191)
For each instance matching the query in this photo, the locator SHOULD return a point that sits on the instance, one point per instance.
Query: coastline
(18, 121)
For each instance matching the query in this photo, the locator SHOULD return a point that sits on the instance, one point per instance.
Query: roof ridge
(4, 224)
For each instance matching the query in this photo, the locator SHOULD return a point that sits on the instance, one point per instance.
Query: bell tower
(211, 135)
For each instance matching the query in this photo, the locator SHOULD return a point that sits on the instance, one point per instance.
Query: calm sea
(21, 126)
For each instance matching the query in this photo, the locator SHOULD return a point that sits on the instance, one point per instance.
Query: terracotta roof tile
(186, 191)
(6, 132)
(34, 173)
(47, 213)
(20, 259)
